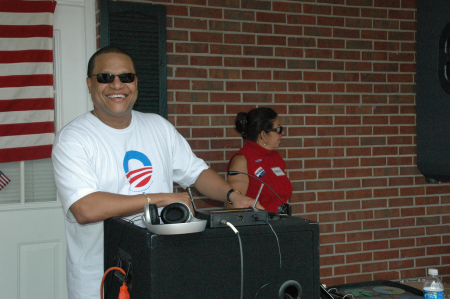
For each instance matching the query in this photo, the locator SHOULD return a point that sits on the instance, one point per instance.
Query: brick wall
(341, 74)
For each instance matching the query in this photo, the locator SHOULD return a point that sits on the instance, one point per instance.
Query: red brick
(320, 185)
(402, 264)
(238, 62)
(403, 222)
(240, 86)
(348, 226)
(330, 152)
(426, 241)
(361, 172)
(388, 275)
(302, 175)
(375, 182)
(244, 39)
(444, 229)
(373, 161)
(347, 184)
(438, 250)
(360, 215)
(225, 49)
(319, 163)
(400, 202)
(332, 260)
(358, 278)
(375, 203)
(401, 243)
(345, 141)
(331, 217)
(412, 191)
(348, 269)
(355, 194)
(408, 232)
(207, 85)
(387, 213)
(224, 74)
(427, 262)
(386, 192)
(385, 254)
(332, 238)
(287, 75)
(210, 155)
(374, 267)
(376, 224)
(333, 195)
(359, 151)
(216, 25)
(257, 27)
(360, 236)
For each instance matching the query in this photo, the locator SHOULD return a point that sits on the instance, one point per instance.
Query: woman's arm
(240, 181)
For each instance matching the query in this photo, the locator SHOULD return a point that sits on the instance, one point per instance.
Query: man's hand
(209, 183)
(99, 206)
(242, 201)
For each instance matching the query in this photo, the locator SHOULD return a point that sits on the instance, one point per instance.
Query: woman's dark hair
(250, 124)
(105, 50)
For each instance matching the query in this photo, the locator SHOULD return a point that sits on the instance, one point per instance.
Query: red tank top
(269, 167)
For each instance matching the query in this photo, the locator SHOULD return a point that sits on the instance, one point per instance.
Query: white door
(32, 235)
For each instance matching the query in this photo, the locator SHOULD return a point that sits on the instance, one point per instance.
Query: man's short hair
(105, 50)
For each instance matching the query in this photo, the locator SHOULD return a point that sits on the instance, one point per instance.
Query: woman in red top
(261, 130)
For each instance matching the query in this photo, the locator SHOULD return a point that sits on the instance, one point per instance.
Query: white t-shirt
(89, 156)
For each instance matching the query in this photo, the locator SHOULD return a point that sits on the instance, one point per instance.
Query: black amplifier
(237, 217)
(279, 258)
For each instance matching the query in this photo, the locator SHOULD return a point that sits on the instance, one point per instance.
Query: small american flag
(4, 180)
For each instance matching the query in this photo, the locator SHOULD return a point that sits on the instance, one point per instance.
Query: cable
(118, 240)
(278, 241)
(223, 221)
(279, 254)
(334, 293)
(131, 220)
(123, 289)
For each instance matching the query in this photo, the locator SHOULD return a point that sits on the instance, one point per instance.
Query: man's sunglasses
(109, 78)
(279, 130)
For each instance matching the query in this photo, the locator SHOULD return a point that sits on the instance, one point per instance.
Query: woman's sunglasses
(109, 78)
(279, 130)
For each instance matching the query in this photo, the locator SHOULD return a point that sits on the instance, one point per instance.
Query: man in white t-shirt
(112, 161)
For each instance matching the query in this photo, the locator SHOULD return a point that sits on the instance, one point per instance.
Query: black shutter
(140, 30)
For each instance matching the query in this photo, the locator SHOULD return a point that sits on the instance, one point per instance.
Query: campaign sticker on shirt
(278, 171)
(260, 172)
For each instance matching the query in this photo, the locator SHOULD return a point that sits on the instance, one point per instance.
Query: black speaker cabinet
(208, 264)
(433, 89)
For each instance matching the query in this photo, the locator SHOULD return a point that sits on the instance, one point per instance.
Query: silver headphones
(177, 219)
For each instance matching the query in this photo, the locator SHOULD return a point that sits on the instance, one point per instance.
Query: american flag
(26, 80)
(4, 180)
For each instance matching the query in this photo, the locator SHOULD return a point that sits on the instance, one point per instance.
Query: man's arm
(210, 184)
(99, 206)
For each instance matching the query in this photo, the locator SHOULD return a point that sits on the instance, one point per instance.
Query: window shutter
(140, 30)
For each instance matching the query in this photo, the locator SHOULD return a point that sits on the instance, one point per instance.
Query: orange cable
(123, 289)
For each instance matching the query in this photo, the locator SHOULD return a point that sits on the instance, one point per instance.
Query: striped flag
(4, 180)
(26, 80)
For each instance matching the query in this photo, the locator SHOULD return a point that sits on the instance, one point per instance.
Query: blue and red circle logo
(138, 170)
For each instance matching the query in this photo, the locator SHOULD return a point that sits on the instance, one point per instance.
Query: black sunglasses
(279, 130)
(109, 78)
